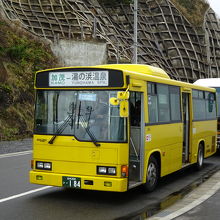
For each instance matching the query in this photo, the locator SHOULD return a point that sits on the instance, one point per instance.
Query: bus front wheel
(200, 157)
(152, 175)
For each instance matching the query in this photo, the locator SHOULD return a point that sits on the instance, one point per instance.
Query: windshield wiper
(64, 124)
(89, 109)
(79, 114)
(73, 107)
(84, 123)
(90, 133)
(60, 129)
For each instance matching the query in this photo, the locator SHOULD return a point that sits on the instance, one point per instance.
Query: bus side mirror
(124, 109)
(114, 101)
(122, 100)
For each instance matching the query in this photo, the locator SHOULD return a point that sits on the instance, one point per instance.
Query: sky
(215, 5)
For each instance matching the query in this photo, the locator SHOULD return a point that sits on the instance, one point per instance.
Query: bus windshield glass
(82, 114)
(218, 100)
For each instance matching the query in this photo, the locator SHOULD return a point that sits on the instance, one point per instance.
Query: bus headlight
(39, 165)
(101, 170)
(47, 166)
(106, 170)
(43, 165)
(112, 170)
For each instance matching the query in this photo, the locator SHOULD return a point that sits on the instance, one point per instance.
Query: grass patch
(21, 55)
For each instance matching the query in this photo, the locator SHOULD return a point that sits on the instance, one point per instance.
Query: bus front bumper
(79, 182)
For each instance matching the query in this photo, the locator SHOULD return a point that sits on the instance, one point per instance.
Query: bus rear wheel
(200, 157)
(152, 175)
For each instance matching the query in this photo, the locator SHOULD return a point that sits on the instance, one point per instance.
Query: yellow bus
(115, 127)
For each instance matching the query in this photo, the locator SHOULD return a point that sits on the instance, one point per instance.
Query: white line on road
(24, 194)
(15, 154)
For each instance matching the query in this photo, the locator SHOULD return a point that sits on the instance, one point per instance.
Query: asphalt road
(59, 203)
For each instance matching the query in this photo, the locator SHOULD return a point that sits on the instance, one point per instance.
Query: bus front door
(135, 142)
(186, 127)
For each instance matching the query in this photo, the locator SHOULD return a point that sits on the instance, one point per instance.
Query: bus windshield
(218, 100)
(87, 115)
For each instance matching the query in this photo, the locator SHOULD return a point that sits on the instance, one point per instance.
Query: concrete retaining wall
(80, 53)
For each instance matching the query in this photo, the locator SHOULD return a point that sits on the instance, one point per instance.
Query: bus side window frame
(152, 89)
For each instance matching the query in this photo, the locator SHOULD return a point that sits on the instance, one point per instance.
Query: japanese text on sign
(89, 78)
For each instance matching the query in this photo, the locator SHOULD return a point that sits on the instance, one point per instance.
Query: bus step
(133, 184)
(185, 165)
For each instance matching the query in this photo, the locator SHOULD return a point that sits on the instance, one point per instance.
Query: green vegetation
(21, 55)
(193, 10)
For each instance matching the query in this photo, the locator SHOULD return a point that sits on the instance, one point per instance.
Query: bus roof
(138, 68)
(139, 71)
(208, 82)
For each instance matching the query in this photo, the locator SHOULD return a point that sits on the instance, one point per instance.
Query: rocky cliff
(187, 49)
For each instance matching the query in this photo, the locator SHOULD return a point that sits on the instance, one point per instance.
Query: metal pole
(135, 31)
(94, 27)
(118, 54)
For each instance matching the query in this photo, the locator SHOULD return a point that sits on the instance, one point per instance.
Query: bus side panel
(203, 131)
(167, 139)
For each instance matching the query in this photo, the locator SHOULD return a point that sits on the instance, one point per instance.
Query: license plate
(72, 182)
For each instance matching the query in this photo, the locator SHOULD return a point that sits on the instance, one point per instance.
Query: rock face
(165, 37)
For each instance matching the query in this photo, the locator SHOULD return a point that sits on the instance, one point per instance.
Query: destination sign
(79, 78)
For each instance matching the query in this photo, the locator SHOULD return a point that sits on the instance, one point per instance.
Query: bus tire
(152, 175)
(200, 157)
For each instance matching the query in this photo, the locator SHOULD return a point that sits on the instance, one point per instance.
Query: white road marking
(24, 194)
(15, 154)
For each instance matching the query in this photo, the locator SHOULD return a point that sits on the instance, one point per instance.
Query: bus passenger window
(210, 106)
(152, 108)
(163, 103)
(152, 102)
(175, 103)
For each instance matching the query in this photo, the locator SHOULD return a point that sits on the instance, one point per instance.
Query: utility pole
(135, 45)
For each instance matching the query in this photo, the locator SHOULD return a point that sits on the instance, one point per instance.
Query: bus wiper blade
(91, 135)
(73, 107)
(89, 109)
(79, 114)
(60, 129)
